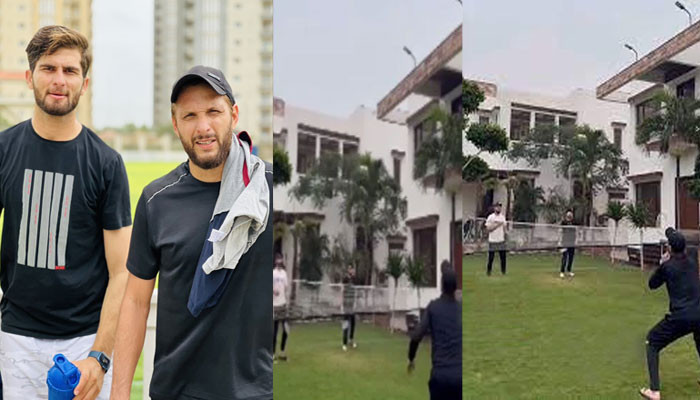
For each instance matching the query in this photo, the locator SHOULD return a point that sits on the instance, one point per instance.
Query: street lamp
(682, 7)
(410, 54)
(636, 55)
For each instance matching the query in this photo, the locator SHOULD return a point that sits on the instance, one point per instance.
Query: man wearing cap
(496, 228)
(680, 274)
(214, 317)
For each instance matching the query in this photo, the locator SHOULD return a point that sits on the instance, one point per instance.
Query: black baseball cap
(214, 77)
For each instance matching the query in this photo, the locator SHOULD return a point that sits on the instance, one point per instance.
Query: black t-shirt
(57, 198)
(680, 274)
(443, 318)
(226, 352)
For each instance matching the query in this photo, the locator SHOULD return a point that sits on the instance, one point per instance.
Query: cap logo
(214, 76)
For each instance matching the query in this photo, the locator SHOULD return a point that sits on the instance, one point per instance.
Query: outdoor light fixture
(682, 7)
(636, 55)
(410, 54)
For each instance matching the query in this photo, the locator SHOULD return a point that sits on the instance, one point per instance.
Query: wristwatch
(101, 358)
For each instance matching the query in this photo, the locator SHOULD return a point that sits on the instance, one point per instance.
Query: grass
(141, 174)
(532, 335)
(319, 369)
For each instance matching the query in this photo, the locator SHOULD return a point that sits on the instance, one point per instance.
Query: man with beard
(207, 347)
(66, 229)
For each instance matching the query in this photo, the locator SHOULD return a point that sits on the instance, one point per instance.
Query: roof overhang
(436, 75)
(676, 57)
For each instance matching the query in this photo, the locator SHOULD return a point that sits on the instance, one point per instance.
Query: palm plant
(639, 216)
(616, 211)
(395, 268)
(415, 272)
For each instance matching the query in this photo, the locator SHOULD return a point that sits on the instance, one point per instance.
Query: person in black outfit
(443, 317)
(680, 274)
(349, 318)
(568, 240)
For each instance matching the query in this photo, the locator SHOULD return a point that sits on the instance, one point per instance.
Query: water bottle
(62, 378)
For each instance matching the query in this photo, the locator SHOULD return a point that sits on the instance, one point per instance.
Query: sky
(334, 56)
(329, 56)
(555, 46)
(122, 68)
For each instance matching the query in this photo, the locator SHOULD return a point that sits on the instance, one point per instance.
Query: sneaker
(561, 275)
(571, 274)
(345, 348)
(354, 344)
(650, 394)
(283, 357)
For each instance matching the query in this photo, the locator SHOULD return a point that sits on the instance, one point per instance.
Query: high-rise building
(234, 36)
(19, 21)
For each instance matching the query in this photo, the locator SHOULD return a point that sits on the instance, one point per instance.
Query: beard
(57, 110)
(209, 162)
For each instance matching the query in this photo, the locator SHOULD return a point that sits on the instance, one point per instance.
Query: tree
(314, 253)
(370, 199)
(440, 156)
(639, 216)
(340, 257)
(616, 211)
(554, 205)
(281, 167)
(395, 268)
(415, 272)
(675, 124)
(489, 138)
(581, 153)
(528, 198)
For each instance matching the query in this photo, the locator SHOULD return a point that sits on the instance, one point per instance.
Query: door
(688, 208)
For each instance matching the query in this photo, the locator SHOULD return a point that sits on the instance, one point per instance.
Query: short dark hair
(51, 38)
(449, 282)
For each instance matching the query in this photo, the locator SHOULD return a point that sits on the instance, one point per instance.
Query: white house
(517, 113)
(658, 179)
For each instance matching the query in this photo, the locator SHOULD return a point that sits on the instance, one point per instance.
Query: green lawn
(141, 174)
(319, 369)
(532, 335)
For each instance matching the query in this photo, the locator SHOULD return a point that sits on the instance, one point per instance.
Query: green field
(319, 369)
(140, 175)
(532, 335)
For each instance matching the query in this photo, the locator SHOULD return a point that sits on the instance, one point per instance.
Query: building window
(519, 124)
(397, 171)
(646, 109)
(567, 125)
(617, 137)
(396, 247)
(457, 106)
(616, 196)
(306, 152)
(329, 147)
(649, 194)
(686, 89)
(484, 117)
(420, 134)
(545, 121)
(425, 248)
(349, 150)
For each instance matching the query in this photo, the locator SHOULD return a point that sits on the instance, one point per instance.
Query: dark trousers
(284, 335)
(445, 385)
(348, 328)
(664, 333)
(501, 256)
(567, 259)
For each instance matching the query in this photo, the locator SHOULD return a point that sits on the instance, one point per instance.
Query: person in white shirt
(496, 228)
(280, 292)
